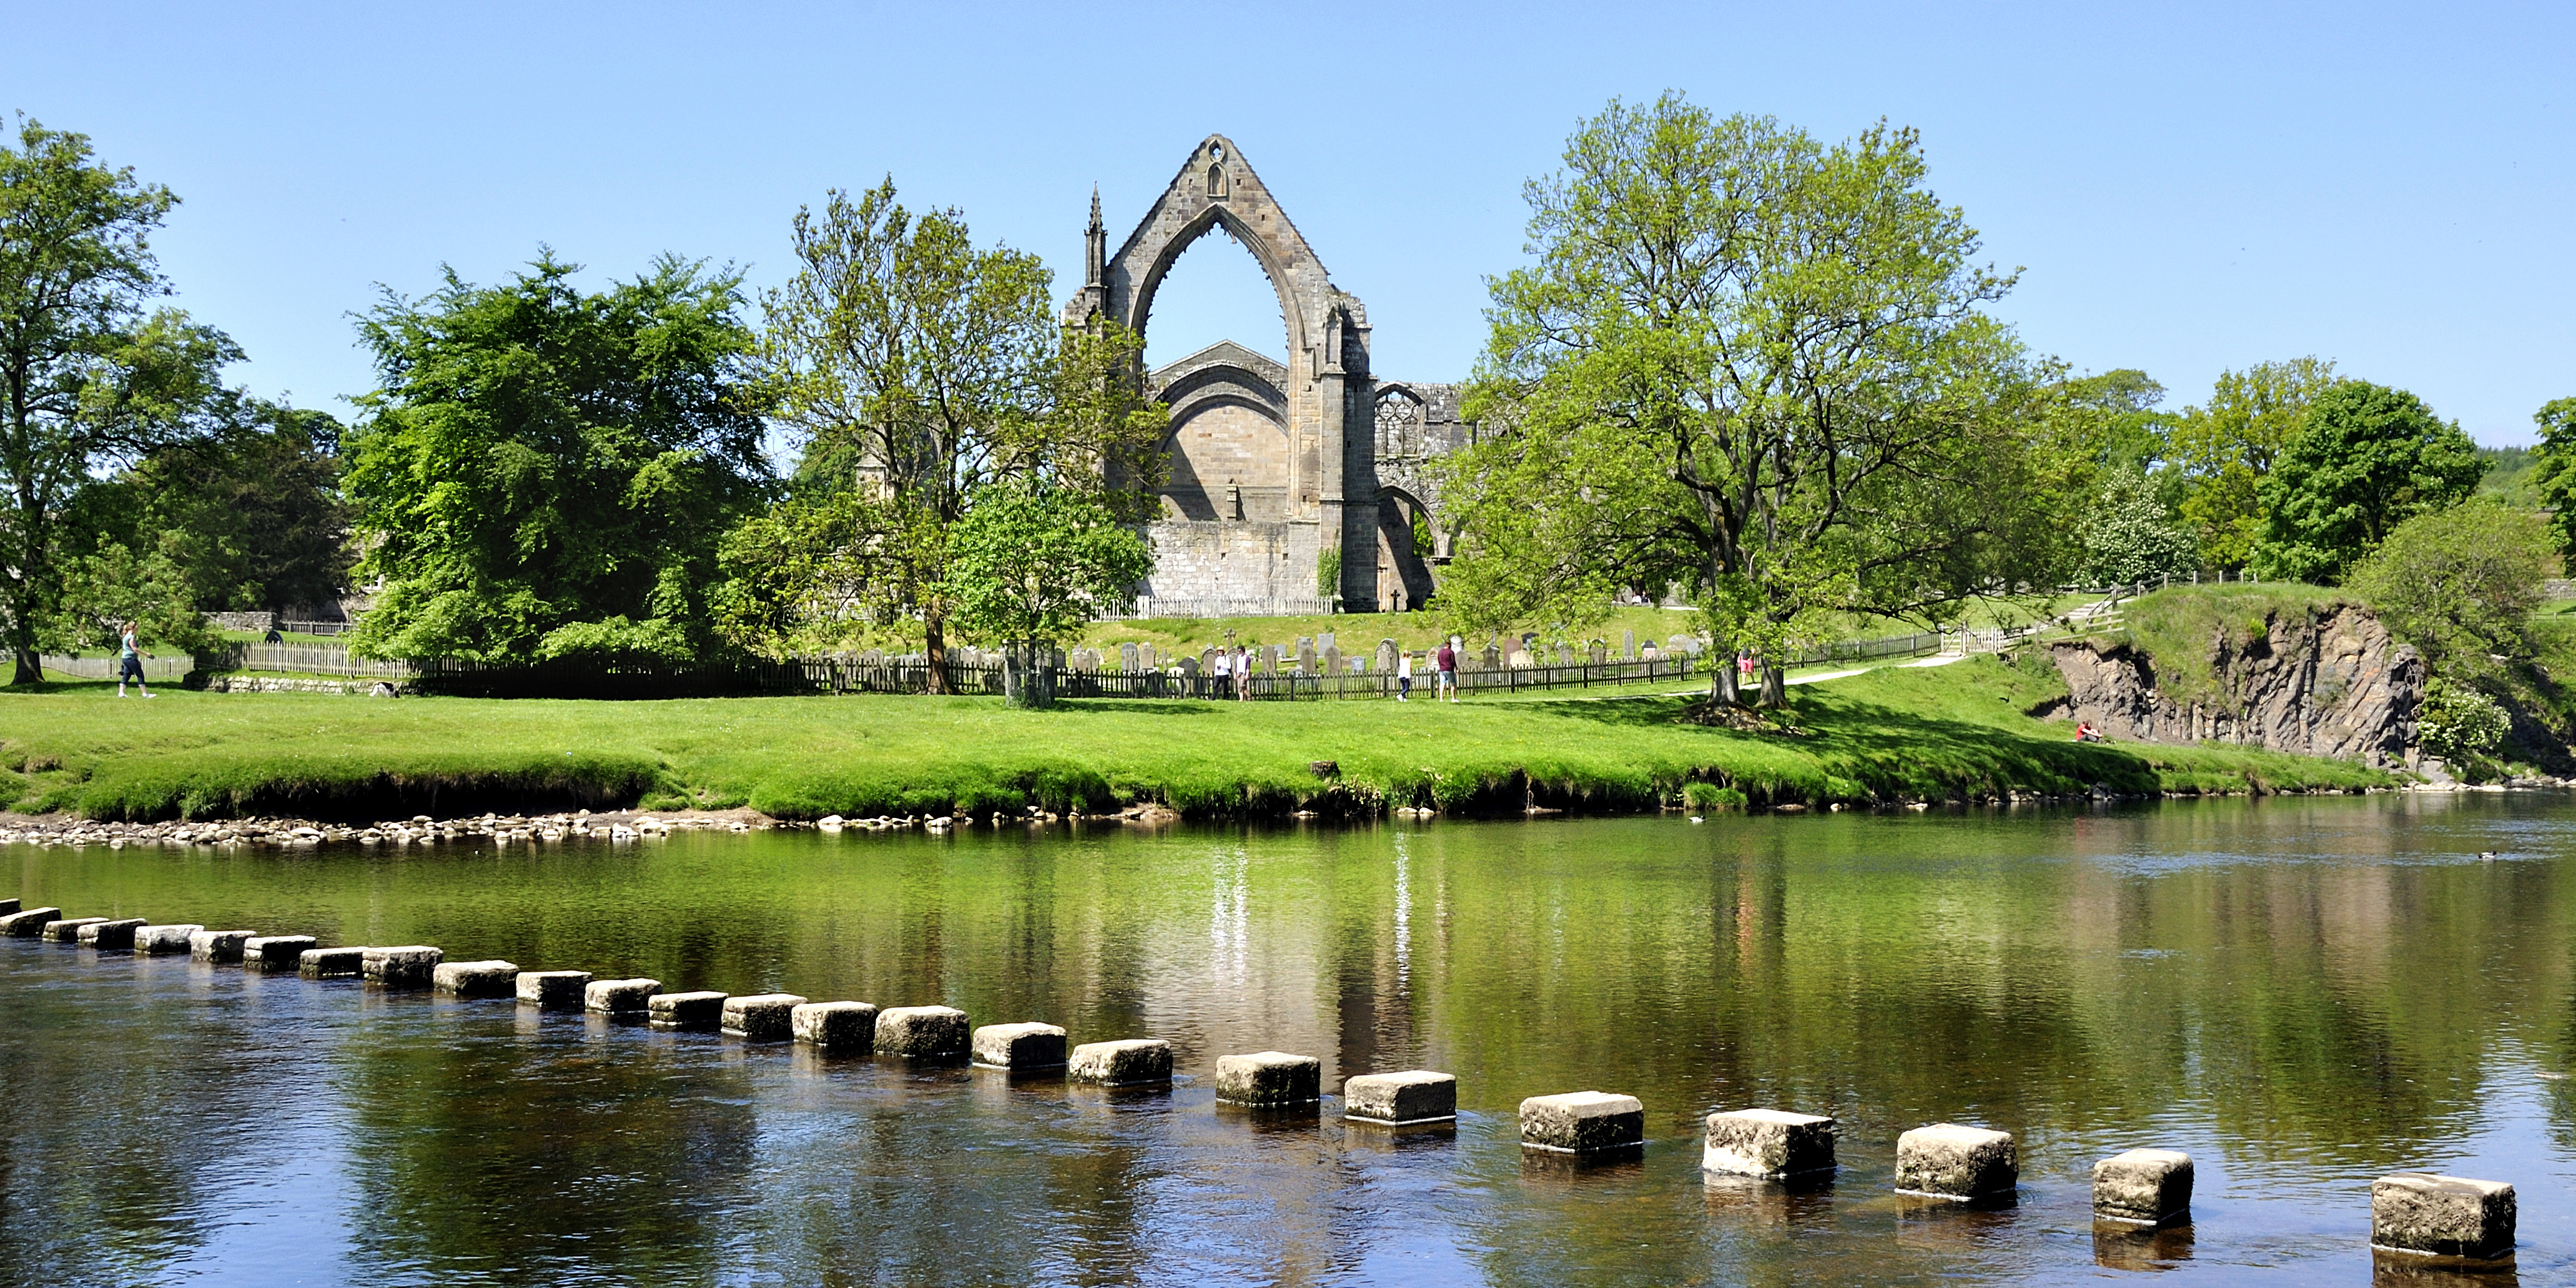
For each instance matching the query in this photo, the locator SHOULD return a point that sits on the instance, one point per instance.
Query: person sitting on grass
(129, 663)
(2085, 732)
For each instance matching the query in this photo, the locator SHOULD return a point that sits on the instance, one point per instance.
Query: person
(129, 663)
(1224, 675)
(1445, 669)
(1242, 674)
(1403, 677)
(2085, 732)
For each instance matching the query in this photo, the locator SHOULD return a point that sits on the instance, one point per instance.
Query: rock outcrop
(2330, 682)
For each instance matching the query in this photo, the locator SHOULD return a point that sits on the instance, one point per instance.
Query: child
(129, 663)
(1404, 677)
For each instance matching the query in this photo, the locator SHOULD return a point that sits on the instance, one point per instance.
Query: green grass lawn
(1894, 733)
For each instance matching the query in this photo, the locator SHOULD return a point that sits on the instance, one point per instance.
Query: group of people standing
(1232, 671)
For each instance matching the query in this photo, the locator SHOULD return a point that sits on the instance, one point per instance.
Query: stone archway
(1327, 369)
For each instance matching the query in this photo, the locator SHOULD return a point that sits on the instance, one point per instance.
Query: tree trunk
(1775, 686)
(1721, 681)
(31, 670)
(934, 647)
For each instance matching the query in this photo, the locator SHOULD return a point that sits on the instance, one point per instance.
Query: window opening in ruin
(1399, 425)
(1216, 290)
(1216, 181)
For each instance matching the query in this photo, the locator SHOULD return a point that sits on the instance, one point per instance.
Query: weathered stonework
(1948, 1161)
(835, 1026)
(2143, 1187)
(2419, 1212)
(1271, 464)
(1127, 1062)
(1400, 1099)
(553, 990)
(1768, 1142)
(1019, 1046)
(762, 1017)
(1582, 1122)
(1269, 1079)
(922, 1032)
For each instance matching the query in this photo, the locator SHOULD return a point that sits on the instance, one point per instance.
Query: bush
(1709, 798)
(2459, 724)
(2460, 585)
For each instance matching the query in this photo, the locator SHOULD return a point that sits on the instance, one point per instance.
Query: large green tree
(546, 471)
(2554, 471)
(254, 507)
(90, 375)
(1030, 565)
(2366, 459)
(2225, 448)
(2461, 584)
(1752, 363)
(918, 370)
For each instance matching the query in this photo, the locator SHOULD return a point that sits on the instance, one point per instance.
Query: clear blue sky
(2189, 189)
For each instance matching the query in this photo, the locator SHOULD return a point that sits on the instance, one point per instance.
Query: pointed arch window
(1216, 180)
(1399, 424)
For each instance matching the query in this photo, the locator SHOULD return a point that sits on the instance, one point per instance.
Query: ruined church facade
(1272, 466)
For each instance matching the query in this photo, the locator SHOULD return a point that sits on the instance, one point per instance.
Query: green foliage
(2127, 538)
(2460, 724)
(539, 458)
(1753, 364)
(1423, 542)
(113, 585)
(2366, 459)
(2553, 476)
(87, 378)
(2225, 449)
(1034, 565)
(795, 576)
(918, 371)
(1328, 574)
(2509, 475)
(2460, 585)
(1709, 798)
(255, 505)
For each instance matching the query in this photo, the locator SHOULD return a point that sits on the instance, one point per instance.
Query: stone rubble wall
(2331, 683)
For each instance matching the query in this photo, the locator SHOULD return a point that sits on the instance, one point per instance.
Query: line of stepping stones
(2411, 1212)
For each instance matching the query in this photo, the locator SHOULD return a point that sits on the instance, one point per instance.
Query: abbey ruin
(1272, 466)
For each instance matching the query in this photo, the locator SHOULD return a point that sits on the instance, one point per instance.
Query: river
(2302, 993)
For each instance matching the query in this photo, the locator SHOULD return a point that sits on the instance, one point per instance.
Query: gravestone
(1190, 668)
(1207, 661)
(1324, 640)
(1386, 657)
(1682, 644)
(1145, 657)
(1628, 645)
(1305, 655)
(1600, 652)
(1273, 659)
(1332, 659)
(1564, 654)
(1493, 656)
(1127, 658)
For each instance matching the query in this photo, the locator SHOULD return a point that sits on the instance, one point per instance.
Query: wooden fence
(163, 669)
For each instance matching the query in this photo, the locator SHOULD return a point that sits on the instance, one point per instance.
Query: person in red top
(1447, 662)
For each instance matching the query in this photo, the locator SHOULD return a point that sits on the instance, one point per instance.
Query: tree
(254, 506)
(2226, 448)
(2554, 476)
(546, 472)
(2366, 459)
(87, 377)
(1754, 364)
(1029, 565)
(918, 371)
(2128, 538)
(2461, 584)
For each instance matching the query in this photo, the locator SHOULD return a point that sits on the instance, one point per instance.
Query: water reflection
(2303, 994)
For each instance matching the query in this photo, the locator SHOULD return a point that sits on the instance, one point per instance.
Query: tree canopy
(545, 471)
(1031, 564)
(2554, 471)
(2227, 446)
(1752, 363)
(90, 376)
(917, 371)
(2366, 459)
(2460, 584)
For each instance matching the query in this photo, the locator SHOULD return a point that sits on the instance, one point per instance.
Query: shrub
(1709, 798)
(2458, 723)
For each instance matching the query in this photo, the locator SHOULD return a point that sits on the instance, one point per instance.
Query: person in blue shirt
(129, 663)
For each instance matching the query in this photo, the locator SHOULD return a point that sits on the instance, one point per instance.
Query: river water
(2304, 994)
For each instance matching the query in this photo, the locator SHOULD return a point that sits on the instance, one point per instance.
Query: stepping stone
(1019, 1046)
(220, 946)
(1582, 1122)
(620, 996)
(1128, 1062)
(2143, 1187)
(1400, 1099)
(552, 990)
(8, 907)
(698, 1011)
(163, 941)
(835, 1026)
(331, 963)
(67, 930)
(922, 1032)
(110, 936)
(1269, 1079)
(27, 923)
(1947, 1161)
(2444, 1216)
(762, 1017)
(276, 952)
(410, 966)
(1768, 1143)
(475, 979)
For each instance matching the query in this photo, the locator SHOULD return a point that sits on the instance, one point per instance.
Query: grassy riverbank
(1897, 733)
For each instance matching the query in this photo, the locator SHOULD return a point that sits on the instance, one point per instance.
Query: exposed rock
(2329, 684)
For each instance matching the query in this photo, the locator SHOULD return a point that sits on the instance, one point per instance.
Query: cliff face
(2327, 683)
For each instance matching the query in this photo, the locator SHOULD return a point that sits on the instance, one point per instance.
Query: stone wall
(1249, 560)
(2330, 682)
